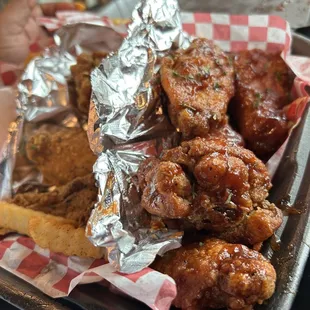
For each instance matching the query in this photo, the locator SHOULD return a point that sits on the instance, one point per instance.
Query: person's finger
(15, 15)
(32, 30)
(50, 9)
(36, 12)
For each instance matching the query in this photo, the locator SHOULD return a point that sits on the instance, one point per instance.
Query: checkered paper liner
(55, 274)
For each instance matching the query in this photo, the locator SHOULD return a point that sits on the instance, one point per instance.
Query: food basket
(290, 187)
(291, 180)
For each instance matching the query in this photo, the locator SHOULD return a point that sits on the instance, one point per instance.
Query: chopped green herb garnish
(278, 76)
(256, 104)
(201, 243)
(206, 70)
(266, 66)
(217, 86)
(187, 77)
(187, 106)
(257, 100)
(176, 73)
(33, 147)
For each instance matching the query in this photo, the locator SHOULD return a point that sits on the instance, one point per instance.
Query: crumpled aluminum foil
(43, 94)
(125, 97)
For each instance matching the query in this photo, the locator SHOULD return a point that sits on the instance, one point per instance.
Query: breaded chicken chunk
(263, 85)
(214, 185)
(166, 189)
(199, 83)
(61, 156)
(73, 201)
(214, 274)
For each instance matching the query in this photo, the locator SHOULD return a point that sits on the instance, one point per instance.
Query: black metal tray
(290, 181)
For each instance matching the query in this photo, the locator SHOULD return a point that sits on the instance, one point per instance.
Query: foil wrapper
(126, 99)
(42, 95)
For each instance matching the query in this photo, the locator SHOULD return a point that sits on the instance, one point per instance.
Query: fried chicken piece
(257, 226)
(74, 200)
(263, 84)
(81, 77)
(199, 83)
(214, 274)
(229, 181)
(166, 189)
(61, 156)
(218, 186)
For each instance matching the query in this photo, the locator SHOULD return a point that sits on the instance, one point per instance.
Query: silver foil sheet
(42, 95)
(126, 99)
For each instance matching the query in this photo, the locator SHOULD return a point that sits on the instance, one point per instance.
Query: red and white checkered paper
(57, 275)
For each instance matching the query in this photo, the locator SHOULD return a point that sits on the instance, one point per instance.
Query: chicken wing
(214, 274)
(61, 156)
(199, 83)
(263, 84)
(215, 186)
(74, 200)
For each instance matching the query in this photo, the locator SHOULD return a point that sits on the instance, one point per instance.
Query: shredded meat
(74, 200)
(214, 274)
(216, 186)
(61, 156)
(199, 83)
(263, 84)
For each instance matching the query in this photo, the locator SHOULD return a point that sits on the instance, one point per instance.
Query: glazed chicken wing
(199, 83)
(215, 186)
(74, 200)
(214, 274)
(61, 156)
(263, 84)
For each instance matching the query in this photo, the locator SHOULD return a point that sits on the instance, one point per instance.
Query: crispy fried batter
(5, 231)
(61, 156)
(215, 274)
(16, 218)
(72, 201)
(263, 84)
(62, 237)
(229, 180)
(81, 77)
(216, 186)
(258, 225)
(48, 231)
(166, 190)
(199, 83)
